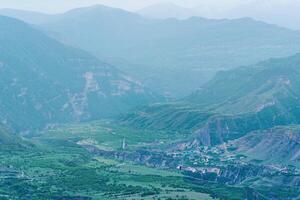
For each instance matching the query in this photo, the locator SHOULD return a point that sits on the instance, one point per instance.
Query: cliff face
(276, 145)
(209, 127)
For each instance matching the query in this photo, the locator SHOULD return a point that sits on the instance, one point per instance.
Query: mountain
(163, 52)
(232, 104)
(27, 16)
(276, 145)
(251, 89)
(166, 10)
(43, 81)
(282, 12)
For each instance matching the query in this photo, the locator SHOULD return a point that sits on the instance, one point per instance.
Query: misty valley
(99, 103)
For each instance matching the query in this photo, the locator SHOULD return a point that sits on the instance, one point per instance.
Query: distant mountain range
(232, 104)
(163, 53)
(45, 82)
(27, 16)
(281, 12)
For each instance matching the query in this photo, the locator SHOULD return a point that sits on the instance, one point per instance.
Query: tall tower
(124, 144)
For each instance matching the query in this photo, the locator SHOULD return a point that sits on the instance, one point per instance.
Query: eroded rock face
(44, 82)
(277, 145)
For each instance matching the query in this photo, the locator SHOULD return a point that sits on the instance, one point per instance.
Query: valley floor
(102, 160)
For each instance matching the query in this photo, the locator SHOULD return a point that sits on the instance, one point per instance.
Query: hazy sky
(282, 12)
(54, 6)
(62, 5)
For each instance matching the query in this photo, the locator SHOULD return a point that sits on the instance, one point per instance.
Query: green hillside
(232, 104)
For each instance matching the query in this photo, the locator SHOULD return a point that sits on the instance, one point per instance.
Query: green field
(110, 136)
(68, 171)
(55, 166)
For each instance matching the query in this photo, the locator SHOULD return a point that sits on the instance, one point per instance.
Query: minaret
(124, 144)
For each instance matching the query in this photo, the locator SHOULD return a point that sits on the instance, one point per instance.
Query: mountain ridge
(203, 46)
(31, 17)
(172, 49)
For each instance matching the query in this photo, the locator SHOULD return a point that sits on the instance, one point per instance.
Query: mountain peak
(97, 9)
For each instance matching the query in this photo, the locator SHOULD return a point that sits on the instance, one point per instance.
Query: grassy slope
(110, 136)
